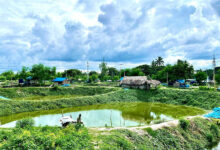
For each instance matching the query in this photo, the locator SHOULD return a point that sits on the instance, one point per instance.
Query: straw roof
(138, 81)
(134, 80)
(153, 82)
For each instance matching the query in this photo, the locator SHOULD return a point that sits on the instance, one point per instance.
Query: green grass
(42, 98)
(103, 95)
(200, 134)
(162, 139)
(45, 138)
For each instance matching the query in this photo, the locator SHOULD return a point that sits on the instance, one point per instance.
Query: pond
(115, 115)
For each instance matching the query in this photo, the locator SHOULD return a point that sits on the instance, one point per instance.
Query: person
(79, 119)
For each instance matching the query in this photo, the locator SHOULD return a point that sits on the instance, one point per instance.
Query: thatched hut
(139, 82)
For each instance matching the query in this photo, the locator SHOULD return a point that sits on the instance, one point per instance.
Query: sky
(68, 33)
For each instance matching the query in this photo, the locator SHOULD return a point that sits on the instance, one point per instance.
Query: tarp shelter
(215, 114)
(121, 78)
(181, 81)
(60, 81)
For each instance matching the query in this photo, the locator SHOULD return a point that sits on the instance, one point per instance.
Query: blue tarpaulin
(214, 114)
(59, 79)
(4, 98)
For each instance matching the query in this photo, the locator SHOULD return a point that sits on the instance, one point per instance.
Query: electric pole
(87, 71)
(214, 65)
(120, 70)
(167, 78)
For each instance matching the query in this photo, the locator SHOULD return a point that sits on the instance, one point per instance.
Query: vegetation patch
(167, 138)
(196, 98)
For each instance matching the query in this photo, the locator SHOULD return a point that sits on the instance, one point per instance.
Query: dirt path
(172, 123)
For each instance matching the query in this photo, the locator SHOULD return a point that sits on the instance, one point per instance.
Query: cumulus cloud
(71, 32)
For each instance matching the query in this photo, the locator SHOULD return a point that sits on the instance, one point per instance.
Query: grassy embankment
(198, 134)
(100, 95)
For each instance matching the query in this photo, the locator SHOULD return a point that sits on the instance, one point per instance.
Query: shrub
(214, 130)
(25, 123)
(205, 88)
(56, 88)
(209, 137)
(184, 124)
(151, 131)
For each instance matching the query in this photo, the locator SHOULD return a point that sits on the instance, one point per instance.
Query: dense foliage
(195, 137)
(200, 76)
(181, 70)
(202, 99)
(25, 123)
(218, 77)
(45, 138)
(199, 134)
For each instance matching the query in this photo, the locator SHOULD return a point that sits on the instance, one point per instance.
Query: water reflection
(116, 115)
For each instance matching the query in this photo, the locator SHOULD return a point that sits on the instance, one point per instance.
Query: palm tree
(159, 61)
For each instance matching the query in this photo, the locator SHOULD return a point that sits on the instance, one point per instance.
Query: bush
(151, 132)
(184, 124)
(205, 88)
(209, 138)
(56, 88)
(25, 123)
(214, 130)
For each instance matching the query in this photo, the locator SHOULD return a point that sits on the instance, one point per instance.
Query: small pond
(115, 115)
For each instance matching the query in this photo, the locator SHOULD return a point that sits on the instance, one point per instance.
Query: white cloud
(65, 32)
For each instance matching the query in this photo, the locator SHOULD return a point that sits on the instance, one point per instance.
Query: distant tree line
(156, 70)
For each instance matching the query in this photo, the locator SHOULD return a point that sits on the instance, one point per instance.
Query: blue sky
(67, 33)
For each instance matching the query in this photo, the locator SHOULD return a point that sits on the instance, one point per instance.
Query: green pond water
(115, 115)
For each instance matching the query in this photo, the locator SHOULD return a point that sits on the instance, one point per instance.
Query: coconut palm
(159, 61)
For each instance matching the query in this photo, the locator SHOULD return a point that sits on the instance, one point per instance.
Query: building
(61, 81)
(138, 82)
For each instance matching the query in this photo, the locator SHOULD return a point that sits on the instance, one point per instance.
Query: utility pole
(214, 65)
(167, 78)
(120, 70)
(87, 71)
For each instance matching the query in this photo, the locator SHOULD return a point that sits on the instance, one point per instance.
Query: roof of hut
(138, 80)
(153, 82)
(134, 80)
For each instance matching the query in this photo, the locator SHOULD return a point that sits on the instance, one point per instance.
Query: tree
(104, 70)
(159, 62)
(93, 77)
(146, 69)
(2, 78)
(200, 76)
(72, 73)
(112, 72)
(164, 73)
(183, 70)
(92, 73)
(217, 77)
(115, 78)
(132, 72)
(24, 73)
(40, 72)
(157, 65)
(209, 72)
(8, 74)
